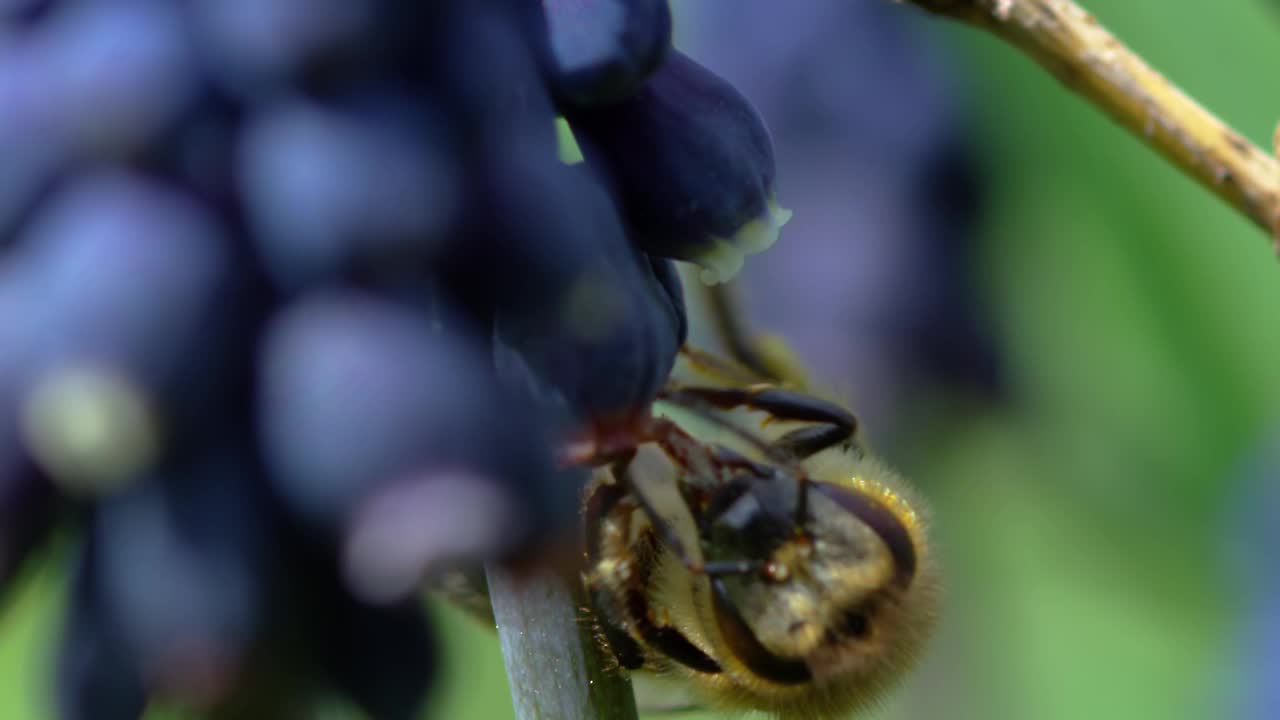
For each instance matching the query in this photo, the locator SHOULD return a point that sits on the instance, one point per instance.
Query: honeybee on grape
(740, 538)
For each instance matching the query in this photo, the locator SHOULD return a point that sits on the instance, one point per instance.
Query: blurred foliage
(1080, 526)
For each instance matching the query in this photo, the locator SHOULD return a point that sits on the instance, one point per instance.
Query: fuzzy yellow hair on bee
(746, 543)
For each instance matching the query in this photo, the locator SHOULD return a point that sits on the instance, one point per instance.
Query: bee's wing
(662, 697)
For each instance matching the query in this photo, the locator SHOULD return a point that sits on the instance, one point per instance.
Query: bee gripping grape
(266, 268)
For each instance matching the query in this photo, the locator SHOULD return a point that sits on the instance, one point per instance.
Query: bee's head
(845, 591)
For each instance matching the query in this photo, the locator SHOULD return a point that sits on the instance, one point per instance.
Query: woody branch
(1071, 44)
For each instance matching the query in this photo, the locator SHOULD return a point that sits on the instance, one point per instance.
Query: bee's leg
(836, 423)
(766, 356)
(603, 574)
(619, 588)
(667, 640)
(730, 323)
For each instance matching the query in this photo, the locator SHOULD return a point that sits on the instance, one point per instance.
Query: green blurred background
(1083, 529)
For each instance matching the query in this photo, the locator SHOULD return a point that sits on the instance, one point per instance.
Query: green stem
(556, 667)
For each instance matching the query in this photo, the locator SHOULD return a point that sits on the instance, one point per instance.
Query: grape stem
(1071, 44)
(556, 667)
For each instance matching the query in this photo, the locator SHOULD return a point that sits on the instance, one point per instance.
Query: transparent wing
(661, 698)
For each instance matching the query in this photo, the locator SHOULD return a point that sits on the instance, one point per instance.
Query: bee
(741, 538)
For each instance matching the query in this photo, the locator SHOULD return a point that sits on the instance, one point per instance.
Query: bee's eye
(882, 521)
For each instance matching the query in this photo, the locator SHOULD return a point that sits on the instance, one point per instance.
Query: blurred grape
(420, 526)
(595, 324)
(125, 285)
(383, 658)
(18, 11)
(98, 678)
(26, 513)
(89, 81)
(183, 562)
(358, 392)
(329, 189)
(25, 498)
(483, 59)
(602, 50)
(259, 47)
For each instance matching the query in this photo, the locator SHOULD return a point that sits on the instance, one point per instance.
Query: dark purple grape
(692, 165)
(541, 253)
(92, 80)
(482, 58)
(97, 676)
(543, 249)
(341, 227)
(198, 155)
(383, 658)
(359, 392)
(582, 308)
(120, 271)
(606, 348)
(257, 47)
(602, 50)
(26, 514)
(22, 11)
(331, 190)
(129, 292)
(668, 278)
(26, 501)
(183, 562)
(96, 77)
(408, 529)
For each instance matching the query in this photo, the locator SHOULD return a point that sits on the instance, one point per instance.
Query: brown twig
(1070, 42)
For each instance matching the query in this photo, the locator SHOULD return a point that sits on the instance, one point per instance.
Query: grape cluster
(297, 300)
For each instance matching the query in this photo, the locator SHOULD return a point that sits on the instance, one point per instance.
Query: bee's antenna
(838, 424)
(802, 504)
(700, 407)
